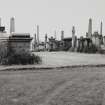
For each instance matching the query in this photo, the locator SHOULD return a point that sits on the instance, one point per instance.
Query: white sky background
(53, 15)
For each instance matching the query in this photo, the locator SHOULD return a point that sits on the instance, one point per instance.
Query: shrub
(24, 58)
(101, 51)
(88, 49)
(92, 49)
(9, 57)
(3, 50)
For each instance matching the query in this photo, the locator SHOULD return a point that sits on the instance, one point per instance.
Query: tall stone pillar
(35, 38)
(101, 29)
(62, 35)
(37, 34)
(12, 25)
(45, 37)
(55, 34)
(45, 41)
(73, 37)
(35, 41)
(101, 40)
(0, 22)
(90, 28)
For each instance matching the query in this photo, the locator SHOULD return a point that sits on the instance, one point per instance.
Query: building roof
(67, 39)
(20, 34)
(20, 37)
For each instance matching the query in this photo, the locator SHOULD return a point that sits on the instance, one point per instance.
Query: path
(58, 90)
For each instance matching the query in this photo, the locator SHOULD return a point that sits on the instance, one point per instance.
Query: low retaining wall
(16, 68)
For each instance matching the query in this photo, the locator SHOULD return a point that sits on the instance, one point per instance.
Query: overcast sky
(53, 15)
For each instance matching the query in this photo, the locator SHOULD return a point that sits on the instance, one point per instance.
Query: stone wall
(20, 47)
(3, 49)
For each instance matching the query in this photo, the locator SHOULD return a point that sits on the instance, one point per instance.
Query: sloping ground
(75, 86)
(57, 59)
(61, 59)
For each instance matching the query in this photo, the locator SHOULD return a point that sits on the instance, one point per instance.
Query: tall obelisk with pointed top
(62, 35)
(101, 29)
(73, 37)
(38, 34)
(90, 28)
(12, 25)
(0, 22)
(46, 41)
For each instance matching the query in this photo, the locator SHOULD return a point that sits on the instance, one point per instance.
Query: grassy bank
(76, 86)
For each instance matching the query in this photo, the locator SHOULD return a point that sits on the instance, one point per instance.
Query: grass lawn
(68, 58)
(76, 86)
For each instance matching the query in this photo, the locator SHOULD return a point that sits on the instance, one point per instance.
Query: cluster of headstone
(92, 42)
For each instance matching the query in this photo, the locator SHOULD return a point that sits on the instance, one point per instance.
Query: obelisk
(62, 35)
(0, 22)
(38, 34)
(55, 34)
(46, 41)
(101, 29)
(73, 37)
(12, 25)
(90, 28)
(35, 42)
